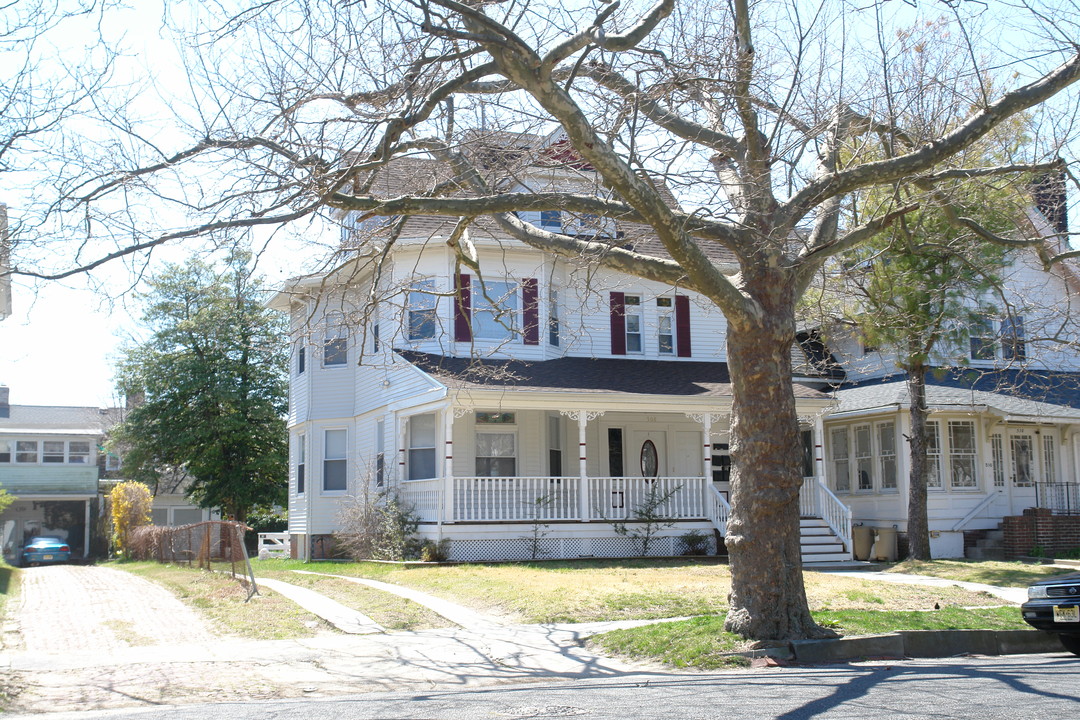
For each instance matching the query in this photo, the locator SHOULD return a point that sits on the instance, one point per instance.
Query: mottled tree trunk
(918, 528)
(767, 597)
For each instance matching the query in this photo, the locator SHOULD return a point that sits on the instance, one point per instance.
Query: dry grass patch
(989, 572)
(221, 599)
(556, 591)
(835, 592)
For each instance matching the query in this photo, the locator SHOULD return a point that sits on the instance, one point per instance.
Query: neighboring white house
(53, 462)
(1005, 424)
(522, 405)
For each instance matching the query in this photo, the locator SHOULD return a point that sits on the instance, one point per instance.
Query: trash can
(885, 547)
(862, 540)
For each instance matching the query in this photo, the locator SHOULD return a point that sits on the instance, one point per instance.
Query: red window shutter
(463, 308)
(682, 325)
(530, 309)
(618, 323)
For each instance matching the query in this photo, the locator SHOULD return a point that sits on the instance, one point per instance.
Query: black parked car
(1054, 605)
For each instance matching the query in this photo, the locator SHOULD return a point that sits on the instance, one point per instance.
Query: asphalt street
(987, 688)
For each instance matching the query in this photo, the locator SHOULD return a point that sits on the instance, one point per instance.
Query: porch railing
(817, 500)
(1061, 497)
(523, 499)
(717, 509)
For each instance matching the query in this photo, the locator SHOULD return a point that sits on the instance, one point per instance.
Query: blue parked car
(45, 550)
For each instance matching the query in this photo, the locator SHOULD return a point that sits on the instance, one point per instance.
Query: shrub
(130, 502)
(377, 526)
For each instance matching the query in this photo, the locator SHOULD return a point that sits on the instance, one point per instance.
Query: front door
(1024, 469)
(646, 455)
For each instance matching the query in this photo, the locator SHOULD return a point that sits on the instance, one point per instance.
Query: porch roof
(939, 398)
(586, 375)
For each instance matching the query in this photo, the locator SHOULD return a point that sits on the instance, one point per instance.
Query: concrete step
(978, 553)
(825, 557)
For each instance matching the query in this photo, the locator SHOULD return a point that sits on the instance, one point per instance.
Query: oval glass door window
(650, 461)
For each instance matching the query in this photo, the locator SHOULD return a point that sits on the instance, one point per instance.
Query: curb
(925, 644)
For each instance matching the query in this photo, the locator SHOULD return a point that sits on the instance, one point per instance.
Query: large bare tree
(767, 119)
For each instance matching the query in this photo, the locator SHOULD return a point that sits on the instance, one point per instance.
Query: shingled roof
(421, 176)
(585, 375)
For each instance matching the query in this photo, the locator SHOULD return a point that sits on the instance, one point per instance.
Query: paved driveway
(83, 638)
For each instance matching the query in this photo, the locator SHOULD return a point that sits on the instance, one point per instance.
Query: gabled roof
(585, 375)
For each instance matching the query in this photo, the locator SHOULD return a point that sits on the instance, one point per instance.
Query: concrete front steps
(989, 546)
(820, 544)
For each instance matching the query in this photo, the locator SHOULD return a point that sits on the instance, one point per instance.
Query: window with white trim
(962, 452)
(864, 458)
(423, 310)
(496, 444)
(52, 451)
(997, 453)
(495, 310)
(301, 464)
(553, 318)
(555, 443)
(335, 460)
(838, 456)
(421, 454)
(886, 437)
(1049, 460)
(380, 453)
(632, 317)
(79, 452)
(933, 455)
(335, 342)
(6, 447)
(26, 451)
(665, 326)
(982, 340)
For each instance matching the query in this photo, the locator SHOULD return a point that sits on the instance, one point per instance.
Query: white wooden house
(1005, 421)
(522, 406)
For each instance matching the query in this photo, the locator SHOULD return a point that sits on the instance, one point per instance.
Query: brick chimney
(5, 406)
(1048, 191)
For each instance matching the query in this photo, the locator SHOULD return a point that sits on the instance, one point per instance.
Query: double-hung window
(421, 447)
(5, 450)
(335, 462)
(26, 451)
(886, 435)
(982, 340)
(933, 454)
(301, 464)
(864, 458)
(838, 454)
(380, 453)
(962, 454)
(335, 341)
(1012, 338)
(665, 323)
(423, 309)
(52, 451)
(496, 444)
(495, 310)
(632, 315)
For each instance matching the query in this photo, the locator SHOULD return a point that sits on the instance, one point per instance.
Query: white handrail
(975, 511)
(717, 508)
(836, 514)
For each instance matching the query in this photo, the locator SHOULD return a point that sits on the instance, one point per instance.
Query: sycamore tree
(766, 119)
(211, 380)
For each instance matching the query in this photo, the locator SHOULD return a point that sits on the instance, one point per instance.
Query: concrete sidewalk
(1013, 595)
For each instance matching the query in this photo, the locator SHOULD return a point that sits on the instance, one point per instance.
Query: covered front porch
(664, 465)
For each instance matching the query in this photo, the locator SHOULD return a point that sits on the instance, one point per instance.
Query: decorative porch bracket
(583, 418)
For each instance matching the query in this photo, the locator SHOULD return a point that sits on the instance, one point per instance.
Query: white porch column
(582, 417)
(402, 426)
(706, 422)
(86, 531)
(819, 448)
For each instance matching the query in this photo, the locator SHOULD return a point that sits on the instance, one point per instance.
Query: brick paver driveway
(72, 608)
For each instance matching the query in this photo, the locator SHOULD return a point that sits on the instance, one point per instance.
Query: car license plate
(1067, 614)
(49, 557)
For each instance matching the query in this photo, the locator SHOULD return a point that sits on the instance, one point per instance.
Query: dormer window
(423, 305)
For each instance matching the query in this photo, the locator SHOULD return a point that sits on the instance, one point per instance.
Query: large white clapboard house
(527, 405)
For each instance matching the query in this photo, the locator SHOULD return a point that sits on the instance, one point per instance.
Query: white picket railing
(488, 499)
(425, 497)
(619, 498)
